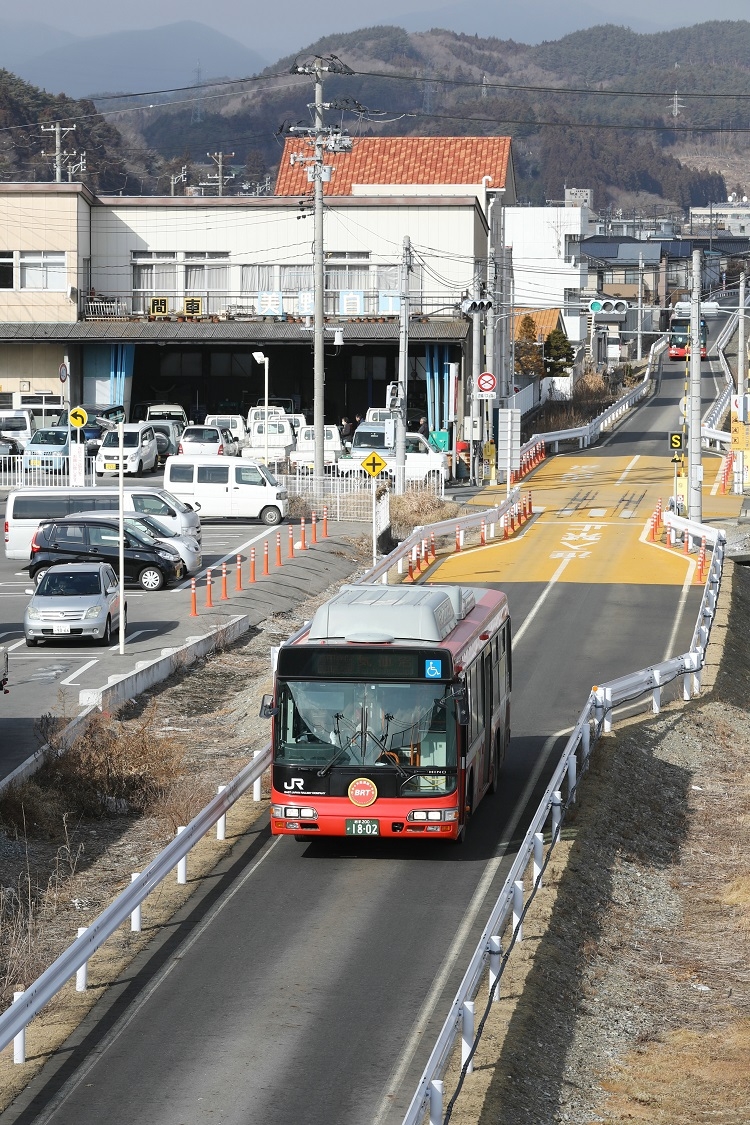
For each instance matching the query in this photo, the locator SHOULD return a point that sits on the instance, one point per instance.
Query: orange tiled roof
(402, 160)
(546, 320)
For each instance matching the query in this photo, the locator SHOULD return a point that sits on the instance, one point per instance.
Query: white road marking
(79, 672)
(680, 609)
(397, 1076)
(627, 468)
(122, 1025)
(597, 513)
(626, 514)
(18, 644)
(541, 600)
(717, 482)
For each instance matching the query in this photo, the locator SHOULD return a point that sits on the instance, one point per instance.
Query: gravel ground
(629, 998)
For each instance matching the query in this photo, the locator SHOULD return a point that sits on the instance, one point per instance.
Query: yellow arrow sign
(78, 417)
(373, 464)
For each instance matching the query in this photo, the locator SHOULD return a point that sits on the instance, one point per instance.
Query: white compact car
(140, 450)
(205, 441)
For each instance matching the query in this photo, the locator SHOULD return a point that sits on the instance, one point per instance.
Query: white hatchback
(140, 450)
(203, 441)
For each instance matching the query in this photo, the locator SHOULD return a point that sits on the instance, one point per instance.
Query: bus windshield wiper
(342, 748)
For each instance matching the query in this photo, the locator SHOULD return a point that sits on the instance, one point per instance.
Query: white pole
(265, 365)
(120, 504)
(257, 791)
(82, 973)
(19, 1041)
(374, 528)
(221, 823)
(135, 915)
(695, 467)
(467, 1034)
(181, 863)
(741, 381)
(518, 909)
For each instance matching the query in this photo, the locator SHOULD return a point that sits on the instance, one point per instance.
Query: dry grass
(415, 508)
(591, 396)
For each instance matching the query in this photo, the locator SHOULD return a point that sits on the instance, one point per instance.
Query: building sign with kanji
(158, 306)
(193, 306)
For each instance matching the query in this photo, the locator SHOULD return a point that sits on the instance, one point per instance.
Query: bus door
(489, 707)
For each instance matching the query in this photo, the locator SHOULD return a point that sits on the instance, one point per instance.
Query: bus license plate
(363, 828)
(109, 465)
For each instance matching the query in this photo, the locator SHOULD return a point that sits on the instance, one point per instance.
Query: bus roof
(449, 615)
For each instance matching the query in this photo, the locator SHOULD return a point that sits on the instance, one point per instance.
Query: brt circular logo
(363, 792)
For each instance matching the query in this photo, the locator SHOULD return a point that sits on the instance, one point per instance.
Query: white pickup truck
(279, 441)
(423, 462)
(303, 457)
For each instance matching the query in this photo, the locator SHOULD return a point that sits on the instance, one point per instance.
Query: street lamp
(120, 427)
(259, 357)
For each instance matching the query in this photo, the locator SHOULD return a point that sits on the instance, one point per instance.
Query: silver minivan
(227, 487)
(18, 424)
(26, 508)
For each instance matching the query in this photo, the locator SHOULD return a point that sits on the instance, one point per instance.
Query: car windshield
(151, 527)
(130, 440)
(268, 475)
(410, 727)
(366, 438)
(50, 437)
(69, 585)
(174, 502)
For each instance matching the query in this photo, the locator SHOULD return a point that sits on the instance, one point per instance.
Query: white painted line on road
(17, 644)
(541, 600)
(627, 514)
(680, 609)
(84, 668)
(237, 551)
(122, 1025)
(717, 482)
(627, 469)
(397, 1076)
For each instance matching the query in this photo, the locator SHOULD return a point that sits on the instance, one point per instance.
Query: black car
(148, 562)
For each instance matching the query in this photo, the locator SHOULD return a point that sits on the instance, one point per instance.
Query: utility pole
(639, 354)
(59, 132)
(178, 179)
(741, 380)
(403, 363)
(322, 139)
(695, 466)
(76, 165)
(218, 179)
(476, 371)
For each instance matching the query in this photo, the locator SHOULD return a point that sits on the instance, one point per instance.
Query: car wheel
(39, 574)
(106, 640)
(139, 470)
(31, 642)
(151, 578)
(99, 474)
(270, 516)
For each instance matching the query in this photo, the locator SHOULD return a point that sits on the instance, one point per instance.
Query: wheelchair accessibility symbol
(433, 669)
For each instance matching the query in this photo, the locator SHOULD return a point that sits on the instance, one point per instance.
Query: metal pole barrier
(302, 543)
(290, 552)
(572, 778)
(135, 915)
(209, 583)
(265, 559)
(82, 973)
(314, 527)
(436, 1102)
(278, 549)
(238, 575)
(518, 909)
(325, 522)
(252, 565)
(556, 814)
(182, 863)
(224, 594)
(538, 858)
(221, 823)
(467, 1034)
(257, 792)
(496, 952)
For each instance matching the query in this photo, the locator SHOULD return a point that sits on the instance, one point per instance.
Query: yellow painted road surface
(590, 525)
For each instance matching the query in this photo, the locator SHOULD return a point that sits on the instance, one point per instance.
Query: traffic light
(606, 306)
(475, 305)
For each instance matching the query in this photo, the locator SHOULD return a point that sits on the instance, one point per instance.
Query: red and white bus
(391, 713)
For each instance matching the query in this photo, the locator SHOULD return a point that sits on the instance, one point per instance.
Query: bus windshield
(403, 725)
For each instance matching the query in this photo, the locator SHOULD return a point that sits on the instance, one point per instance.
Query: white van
(18, 424)
(235, 423)
(280, 441)
(26, 508)
(140, 452)
(227, 487)
(258, 413)
(303, 457)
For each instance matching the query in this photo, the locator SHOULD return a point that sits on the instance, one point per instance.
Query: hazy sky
(259, 26)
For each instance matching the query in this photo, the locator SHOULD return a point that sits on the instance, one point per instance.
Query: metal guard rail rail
(595, 718)
(18, 1015)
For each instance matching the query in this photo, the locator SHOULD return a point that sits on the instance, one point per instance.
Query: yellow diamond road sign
(373, 464)
(78, 417)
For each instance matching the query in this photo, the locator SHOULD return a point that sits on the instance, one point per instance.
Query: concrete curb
(150, 672)
(36, 760)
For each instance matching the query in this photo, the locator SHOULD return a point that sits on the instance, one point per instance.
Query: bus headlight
(293, 812)
(433, 814)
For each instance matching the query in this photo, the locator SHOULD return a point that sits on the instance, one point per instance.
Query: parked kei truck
(423, 463)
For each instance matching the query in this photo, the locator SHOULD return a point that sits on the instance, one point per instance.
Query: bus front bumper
(385, 818)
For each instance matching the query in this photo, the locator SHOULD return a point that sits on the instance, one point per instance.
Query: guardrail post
(585, 743)
(19, 1041)
(607, 711)
(221, 823)
(556, 808)
(257, 783)
(181, 863)
(496, 953)
(82, 972)
(538, 858)
(135, 914)
(572, 778)
(467, 1034)
(656, 694)
(436, 1102)
(518, 909)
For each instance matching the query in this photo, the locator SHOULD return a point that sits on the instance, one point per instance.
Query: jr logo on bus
(362, 792)
(294, 783)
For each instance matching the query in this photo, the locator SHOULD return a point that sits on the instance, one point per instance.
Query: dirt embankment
(629, 998)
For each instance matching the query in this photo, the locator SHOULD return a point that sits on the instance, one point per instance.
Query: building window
(205, 273)
(258, 279)
(154, 275)
(572, 302)
(631, 276)
(43, 270)
(6, 270)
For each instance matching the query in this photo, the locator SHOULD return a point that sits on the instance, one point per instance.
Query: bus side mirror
(462, 707)
(267, 709)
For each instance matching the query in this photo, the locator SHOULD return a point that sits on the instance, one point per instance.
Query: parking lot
(50, 677)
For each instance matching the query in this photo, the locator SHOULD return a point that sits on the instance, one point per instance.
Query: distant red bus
(679, 338)
(391, 713)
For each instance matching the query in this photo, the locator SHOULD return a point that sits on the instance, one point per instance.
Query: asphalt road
(308, 982)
